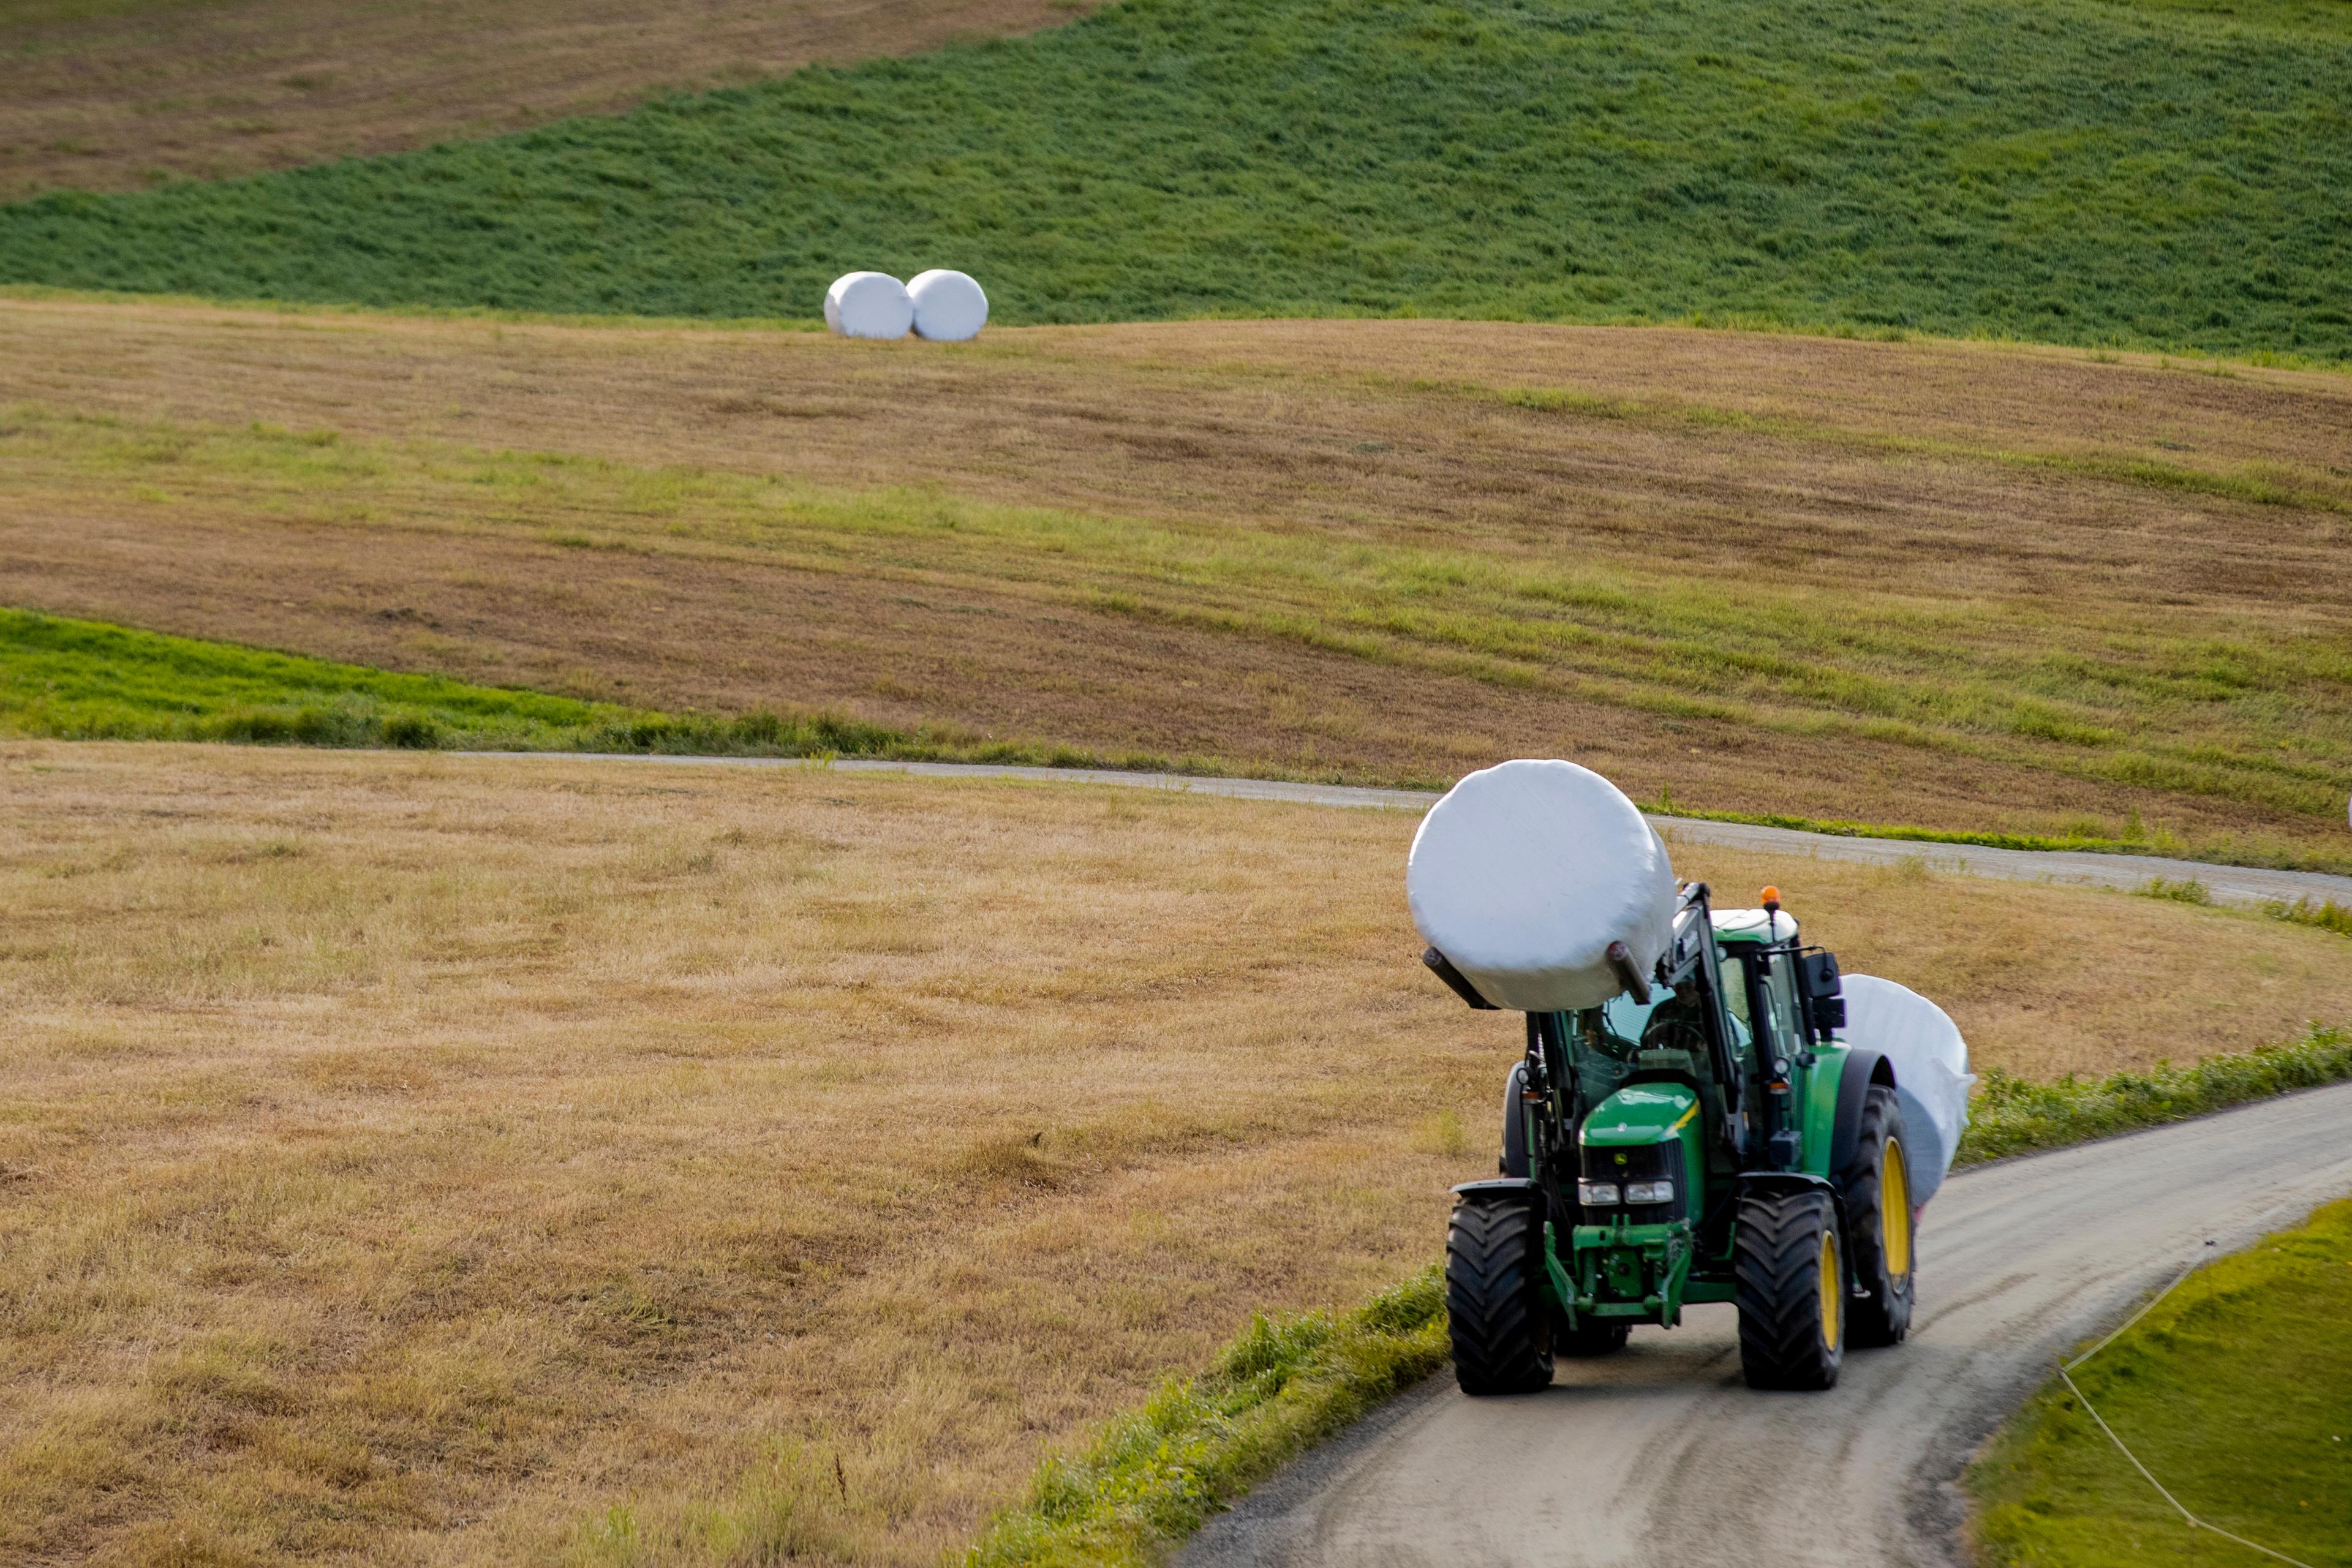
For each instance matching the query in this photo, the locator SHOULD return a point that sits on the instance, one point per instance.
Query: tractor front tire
(1878, 1205)
(1789, 1280)
(1495, 1309)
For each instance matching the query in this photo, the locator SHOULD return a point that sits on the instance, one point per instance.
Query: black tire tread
(1777, 1254)
(1496, 1312)
(1885, 1316)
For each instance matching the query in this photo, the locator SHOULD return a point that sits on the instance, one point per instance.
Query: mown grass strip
(2301, 492)
(1149, 1478)
(68, 680)
(2215, 708)
(2230, 1390)
(2011, 1115)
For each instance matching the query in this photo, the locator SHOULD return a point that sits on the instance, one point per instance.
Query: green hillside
(2066, 169)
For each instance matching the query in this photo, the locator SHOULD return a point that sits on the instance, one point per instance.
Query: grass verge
(85, 680)
(2268, 1330)
(2323, 914)
(2014, 1115)
(1151, 1477)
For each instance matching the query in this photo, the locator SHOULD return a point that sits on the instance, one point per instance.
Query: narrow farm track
(2227, 884)
(1660, 1454)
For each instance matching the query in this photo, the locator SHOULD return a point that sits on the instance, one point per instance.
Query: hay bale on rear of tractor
(1930, 1059)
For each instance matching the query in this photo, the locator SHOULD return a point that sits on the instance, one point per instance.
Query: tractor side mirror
(1816, 976)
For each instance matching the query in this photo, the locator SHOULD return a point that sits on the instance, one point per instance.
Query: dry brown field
(1963, 587)
(445, 1160)
(117, 94)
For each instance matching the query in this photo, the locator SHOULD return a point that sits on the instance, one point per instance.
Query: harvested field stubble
(451, 1161)
(1952, 585)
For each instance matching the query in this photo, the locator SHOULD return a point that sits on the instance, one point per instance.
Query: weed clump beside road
(2320, 914)
(2231, 1391)
(2064, 171)
(2014, 1115)
(1153, 1477)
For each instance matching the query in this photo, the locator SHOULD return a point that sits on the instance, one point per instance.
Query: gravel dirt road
(1661, 1454)
(2227, 884)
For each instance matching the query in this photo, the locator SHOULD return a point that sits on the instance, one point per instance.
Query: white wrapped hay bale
(1930, 1059)
(950, 307)
(868, 305)
(1526, 872)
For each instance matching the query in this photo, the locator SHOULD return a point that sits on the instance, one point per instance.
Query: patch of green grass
(2231, 1391)
(1149, 1478)
(2015, 1116)
(2071, 171)
(84, 680)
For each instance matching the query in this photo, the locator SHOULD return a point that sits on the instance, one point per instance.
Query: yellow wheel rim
(1895, 1210)
(1833, 1289)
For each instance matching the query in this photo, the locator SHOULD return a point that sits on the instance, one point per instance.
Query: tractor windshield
(1607, 1038)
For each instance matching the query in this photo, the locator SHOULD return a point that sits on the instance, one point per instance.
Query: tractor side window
(1735, 1002)
(1776, 983)
(1734, 988)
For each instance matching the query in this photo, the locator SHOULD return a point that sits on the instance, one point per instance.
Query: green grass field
(2232, 1391)
(2069, 171)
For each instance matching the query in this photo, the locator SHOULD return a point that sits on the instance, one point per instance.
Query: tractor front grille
(1646, 1162)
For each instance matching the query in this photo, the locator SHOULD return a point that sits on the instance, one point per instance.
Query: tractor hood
(1640, 1114)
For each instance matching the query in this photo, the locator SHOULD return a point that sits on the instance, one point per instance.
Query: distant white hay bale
(868, 305)
(948, 306)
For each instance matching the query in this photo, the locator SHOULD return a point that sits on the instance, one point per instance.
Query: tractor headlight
(1596, 1194)
(1649, 1192)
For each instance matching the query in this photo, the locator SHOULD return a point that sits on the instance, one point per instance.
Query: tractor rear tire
(1495, 1308)
(1878, 1210)
(1789, 1280)
(1591, 1337)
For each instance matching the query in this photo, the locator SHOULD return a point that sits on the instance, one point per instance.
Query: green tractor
(1702, 1136)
